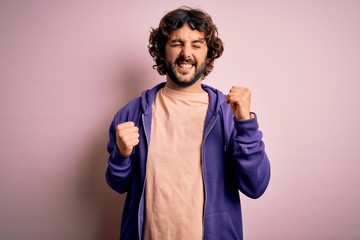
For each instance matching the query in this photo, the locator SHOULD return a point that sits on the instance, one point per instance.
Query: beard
(174, 75)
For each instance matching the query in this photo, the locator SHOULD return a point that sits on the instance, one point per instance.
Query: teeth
(184, 65)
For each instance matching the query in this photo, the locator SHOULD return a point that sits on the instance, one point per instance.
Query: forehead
(186, 33)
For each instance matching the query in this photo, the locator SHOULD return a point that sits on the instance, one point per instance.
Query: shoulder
(129, 112)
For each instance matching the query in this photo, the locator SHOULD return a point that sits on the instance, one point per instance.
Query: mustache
(184, 60)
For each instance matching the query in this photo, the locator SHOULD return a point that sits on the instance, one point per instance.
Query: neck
(195, 88)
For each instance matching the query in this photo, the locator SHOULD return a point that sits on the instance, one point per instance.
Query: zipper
(142, 192)
(212, 124)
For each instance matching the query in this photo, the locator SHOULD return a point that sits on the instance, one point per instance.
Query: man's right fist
(127, 136)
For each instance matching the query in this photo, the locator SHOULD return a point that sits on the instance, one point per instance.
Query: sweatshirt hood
(216, 98)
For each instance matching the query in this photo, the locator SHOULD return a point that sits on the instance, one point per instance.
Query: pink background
(67, 66)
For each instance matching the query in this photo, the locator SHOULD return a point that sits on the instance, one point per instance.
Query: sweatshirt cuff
(248, 128)
(117, 156)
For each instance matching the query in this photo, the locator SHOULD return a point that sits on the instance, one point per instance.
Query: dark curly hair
(197, 20)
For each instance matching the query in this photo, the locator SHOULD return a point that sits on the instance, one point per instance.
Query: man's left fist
(239, 99)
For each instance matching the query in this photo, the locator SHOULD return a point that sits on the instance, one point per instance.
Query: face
(185, 54)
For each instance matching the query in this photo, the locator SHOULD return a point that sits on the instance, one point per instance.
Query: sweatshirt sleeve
(119, 167)
(252, 164)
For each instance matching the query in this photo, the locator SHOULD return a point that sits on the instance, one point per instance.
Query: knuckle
(247, 90)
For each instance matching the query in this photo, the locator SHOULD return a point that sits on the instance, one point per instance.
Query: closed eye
(198, 43)
(176, 43)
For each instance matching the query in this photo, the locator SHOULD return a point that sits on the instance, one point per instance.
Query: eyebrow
(200, 40)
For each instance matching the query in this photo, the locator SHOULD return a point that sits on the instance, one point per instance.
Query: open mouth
(185, 65)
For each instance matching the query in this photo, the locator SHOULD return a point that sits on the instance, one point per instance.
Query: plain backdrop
(66, 67)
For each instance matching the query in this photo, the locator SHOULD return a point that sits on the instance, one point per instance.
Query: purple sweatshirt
(233, 159)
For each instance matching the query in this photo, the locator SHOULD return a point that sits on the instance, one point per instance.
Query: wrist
(245, 117)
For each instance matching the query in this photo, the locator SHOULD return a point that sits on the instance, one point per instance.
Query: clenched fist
(239, 99)
(127, 136)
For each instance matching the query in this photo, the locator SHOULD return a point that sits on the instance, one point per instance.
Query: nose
(186, 52)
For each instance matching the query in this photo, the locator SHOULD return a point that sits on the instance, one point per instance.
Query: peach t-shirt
(174, 183)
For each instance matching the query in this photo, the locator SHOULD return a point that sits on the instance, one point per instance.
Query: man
(183, 150)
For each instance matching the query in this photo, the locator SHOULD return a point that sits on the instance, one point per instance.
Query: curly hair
(197, 20)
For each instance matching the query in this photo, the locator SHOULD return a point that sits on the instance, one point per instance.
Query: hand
(127, 137)
(239, 99)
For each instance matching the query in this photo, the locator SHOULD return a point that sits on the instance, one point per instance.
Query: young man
(183, 150)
